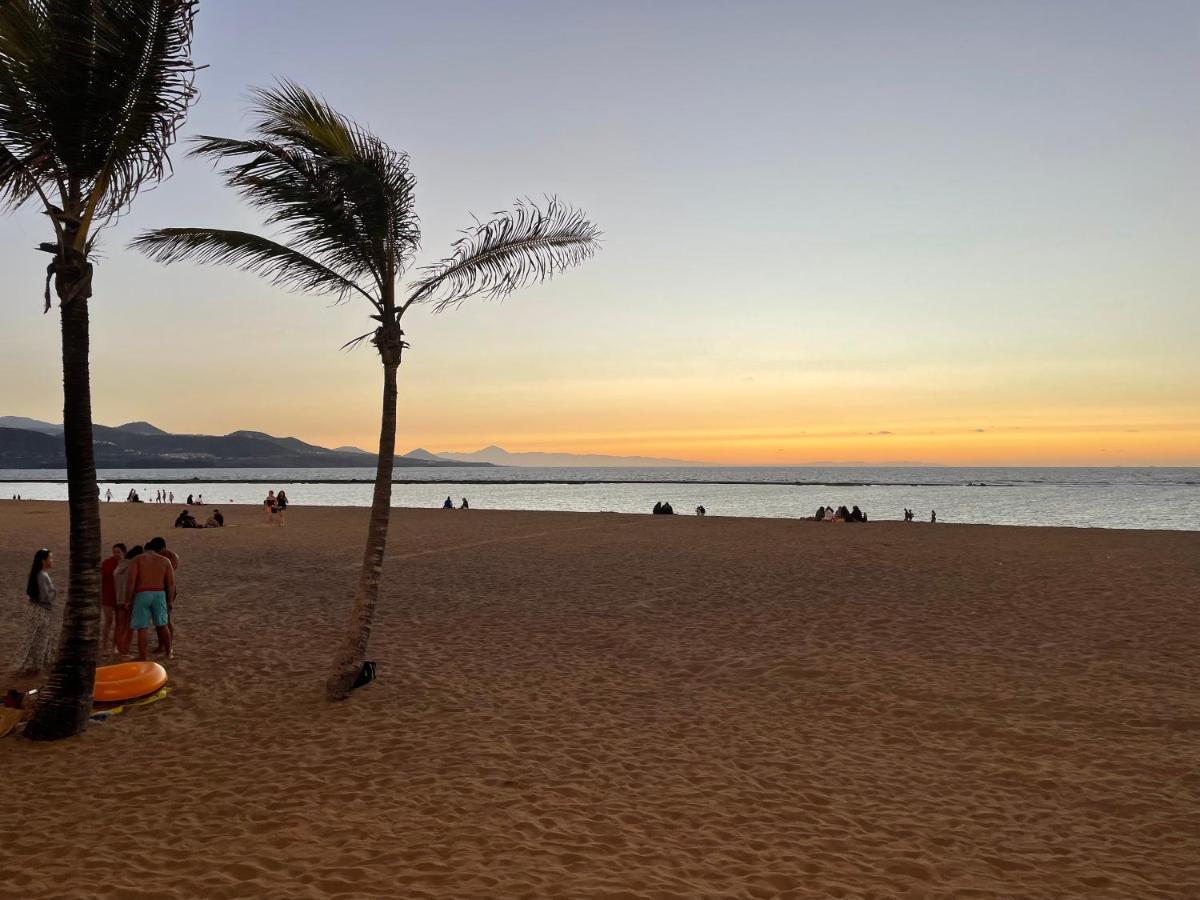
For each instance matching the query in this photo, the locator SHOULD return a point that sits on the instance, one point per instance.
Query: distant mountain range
(33, 444)
(498, 456)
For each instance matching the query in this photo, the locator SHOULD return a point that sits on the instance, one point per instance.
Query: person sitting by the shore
(842, 514)
(185, 519)
(448, 503)
(667, 509)
(856, 515)
(108, 598)
(216, 520)
(828, 513)
(658, 508)
(190, 500)
(465, 504)
(820, 516)
(149, 583)
(701, 511)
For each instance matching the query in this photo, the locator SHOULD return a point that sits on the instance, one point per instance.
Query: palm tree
(92, 93)
(344, 199)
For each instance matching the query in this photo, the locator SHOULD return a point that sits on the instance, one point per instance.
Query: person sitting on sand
(108, 598)
(190, 500)
(820, 516)
(856, 515)
(701, 511)
(185, 519)
(448, 503)
(465, 504)
(657, 508)
(216, 520)
(842, 514)
(149, 583)
(667, 509)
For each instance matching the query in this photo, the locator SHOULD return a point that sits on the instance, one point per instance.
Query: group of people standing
(160, 496)
(910, 516)
(275, 507)
(137, 593)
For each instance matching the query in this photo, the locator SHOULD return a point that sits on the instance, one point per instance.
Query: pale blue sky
(820, 218)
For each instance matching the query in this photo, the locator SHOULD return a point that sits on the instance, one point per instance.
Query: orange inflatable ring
(128, 681)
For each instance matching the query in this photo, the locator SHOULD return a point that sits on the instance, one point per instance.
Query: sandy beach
(600, 705)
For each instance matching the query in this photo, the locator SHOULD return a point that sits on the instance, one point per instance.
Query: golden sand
(595, 705)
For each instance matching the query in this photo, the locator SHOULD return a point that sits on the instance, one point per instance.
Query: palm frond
(282, 265)
(92, 93)
(342, 193)
(512, 250)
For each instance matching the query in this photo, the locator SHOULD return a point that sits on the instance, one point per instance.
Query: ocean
(1154, 498)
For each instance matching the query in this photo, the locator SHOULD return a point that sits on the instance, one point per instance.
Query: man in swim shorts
(150, 581)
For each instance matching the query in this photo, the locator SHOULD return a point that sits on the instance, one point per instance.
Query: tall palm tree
(344, 200)
(92, 93)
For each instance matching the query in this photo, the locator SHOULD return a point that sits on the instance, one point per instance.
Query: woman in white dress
(36, 648)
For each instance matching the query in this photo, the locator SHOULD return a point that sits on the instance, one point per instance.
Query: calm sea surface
(1104, 498)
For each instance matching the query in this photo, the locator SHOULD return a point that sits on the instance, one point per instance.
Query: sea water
(1159, 498)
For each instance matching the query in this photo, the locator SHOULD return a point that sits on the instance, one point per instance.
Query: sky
(957, 233)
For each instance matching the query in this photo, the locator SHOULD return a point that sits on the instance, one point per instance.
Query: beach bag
(365, 675)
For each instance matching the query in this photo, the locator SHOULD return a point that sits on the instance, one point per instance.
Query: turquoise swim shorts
(149, 607)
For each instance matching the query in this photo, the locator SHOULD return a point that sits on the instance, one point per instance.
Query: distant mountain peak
(140, 428)
(421, 453)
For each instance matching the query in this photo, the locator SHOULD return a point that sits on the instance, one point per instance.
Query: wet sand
(599, 705)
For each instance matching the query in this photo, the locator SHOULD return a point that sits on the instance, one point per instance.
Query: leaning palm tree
(344, 200)
(92, 93)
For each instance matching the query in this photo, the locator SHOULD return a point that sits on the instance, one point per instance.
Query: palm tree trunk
(353, 650)
(66, 701)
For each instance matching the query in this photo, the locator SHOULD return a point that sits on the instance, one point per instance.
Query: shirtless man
(150, 581)
(159, 546)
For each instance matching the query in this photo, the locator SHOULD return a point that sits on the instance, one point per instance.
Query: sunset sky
(959, 233)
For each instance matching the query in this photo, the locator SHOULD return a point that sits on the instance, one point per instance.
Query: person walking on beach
(149, 583)
(35, 650)
(933, 517)
(269, 507)
(108, 599)
(108, 496)
(281, 505)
